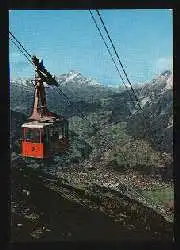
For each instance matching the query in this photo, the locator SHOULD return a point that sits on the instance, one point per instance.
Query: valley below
(47, 208)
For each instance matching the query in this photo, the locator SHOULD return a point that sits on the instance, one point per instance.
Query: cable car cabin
(45, 133)
(43, 139)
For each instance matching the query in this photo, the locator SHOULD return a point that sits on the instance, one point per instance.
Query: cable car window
(60, 128)
(55, 133)
(32, 135)
(66, 129)
(50, 132)
(44, 136)
(47, 134)
(60, 134)
(63, 132)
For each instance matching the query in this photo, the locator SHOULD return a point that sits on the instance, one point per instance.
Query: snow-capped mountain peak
(75, 77)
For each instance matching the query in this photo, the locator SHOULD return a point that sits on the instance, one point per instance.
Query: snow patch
(169, 84)
(71, 77)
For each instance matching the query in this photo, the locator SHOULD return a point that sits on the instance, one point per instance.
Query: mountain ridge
(155, 97)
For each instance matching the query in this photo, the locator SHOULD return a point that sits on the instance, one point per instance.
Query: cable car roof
(36, 124)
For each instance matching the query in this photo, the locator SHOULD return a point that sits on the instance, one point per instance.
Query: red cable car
(43, 139)
(45, 133)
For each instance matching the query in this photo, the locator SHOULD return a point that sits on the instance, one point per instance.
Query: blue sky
(68, 40)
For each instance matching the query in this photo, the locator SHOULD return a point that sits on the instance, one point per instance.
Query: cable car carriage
(43, 139)
(45, 133)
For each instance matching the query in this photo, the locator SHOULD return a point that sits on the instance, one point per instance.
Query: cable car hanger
(58, 90)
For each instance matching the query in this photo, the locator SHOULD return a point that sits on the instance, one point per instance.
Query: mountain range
(122, 122)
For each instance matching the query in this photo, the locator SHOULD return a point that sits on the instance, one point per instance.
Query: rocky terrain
(156, 99)
(116, 154)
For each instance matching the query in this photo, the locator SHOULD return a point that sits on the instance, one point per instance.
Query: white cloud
(163, 63)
